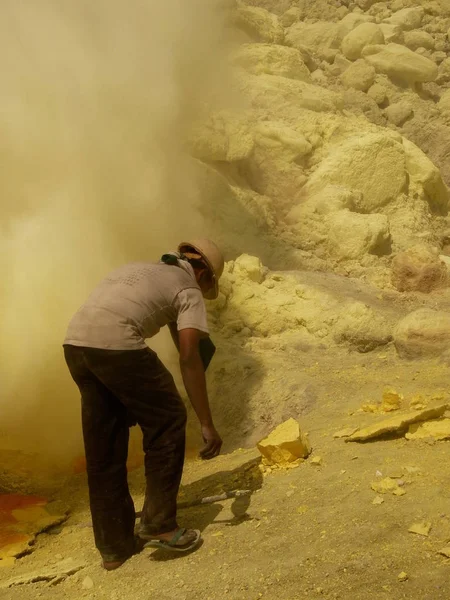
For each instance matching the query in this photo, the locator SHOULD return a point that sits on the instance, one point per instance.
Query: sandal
(173, 544)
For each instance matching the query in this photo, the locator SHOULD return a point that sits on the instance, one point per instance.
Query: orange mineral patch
(21, 519)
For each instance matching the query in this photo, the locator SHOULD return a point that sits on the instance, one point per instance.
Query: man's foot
(111, 565)
(179, 540)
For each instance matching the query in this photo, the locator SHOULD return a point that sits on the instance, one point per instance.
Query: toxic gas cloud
(95, 102)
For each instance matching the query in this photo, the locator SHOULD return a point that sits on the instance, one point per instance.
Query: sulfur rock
(359, 76)
(420, 528)
(286, 444)
(363, 35)
(291, 16)
(438, 429)
(330, 199)
(249, 267)
(260, 24)
(282, 140)
(422, 172)
(272, 59)
(372, 164)
(418, 269)
(398, 424)
(352, 235)
(361, 328)
(391, 400)
(392, 33)
(352, 20)
(401, 63)
(438, 58)
(321, 37)
(269, 91)
(385, 486)
(407, 18)
(340, 64)
(418, 39)
(423, 333)
(377, 92)
(399, 112)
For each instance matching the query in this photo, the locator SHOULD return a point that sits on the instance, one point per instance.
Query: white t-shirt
(133, 302)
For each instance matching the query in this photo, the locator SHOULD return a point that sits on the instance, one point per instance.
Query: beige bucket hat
(212, 256)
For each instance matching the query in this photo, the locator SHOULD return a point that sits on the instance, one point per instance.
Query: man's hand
(212, 440)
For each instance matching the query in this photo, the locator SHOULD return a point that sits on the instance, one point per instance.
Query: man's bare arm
(193, 374)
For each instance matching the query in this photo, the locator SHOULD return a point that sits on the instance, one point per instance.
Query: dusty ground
(311, 531)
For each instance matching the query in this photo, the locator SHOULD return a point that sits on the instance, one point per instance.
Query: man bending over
(122, 381)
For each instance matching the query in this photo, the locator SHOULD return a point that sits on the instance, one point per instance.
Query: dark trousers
(118, 387)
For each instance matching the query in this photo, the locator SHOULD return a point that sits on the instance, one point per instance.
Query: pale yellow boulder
(418, 269)
(377, 92)
(399, 112)
(423, 333)
(267, 91)
(359, 76)
(286, 444)
(363, 35)
(331, 198)
(249, 267)
(352, 235)
(438, 58)
(352, 20)
(423, 172)
(418, 39)
(340, 65)
(407, 18)
(281, 140)
(260, 24)
(361, 328)
(392, 33)
(399, 62)
(272, 59)
(320, 37)
(291, 16)
(372, 164)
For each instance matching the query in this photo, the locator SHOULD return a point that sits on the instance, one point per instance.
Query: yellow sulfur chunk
(286, 444)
